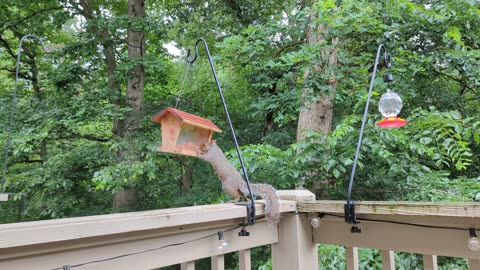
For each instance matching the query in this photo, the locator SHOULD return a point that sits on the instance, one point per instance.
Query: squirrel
(233, 183)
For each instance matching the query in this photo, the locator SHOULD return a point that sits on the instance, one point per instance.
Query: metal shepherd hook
(350, 216)
(7, 145)
(251, 208)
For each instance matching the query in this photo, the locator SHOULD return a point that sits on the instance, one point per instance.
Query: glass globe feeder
(390, 105)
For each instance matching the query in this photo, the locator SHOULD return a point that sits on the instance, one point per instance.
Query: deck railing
(153, 239)
(429, 229)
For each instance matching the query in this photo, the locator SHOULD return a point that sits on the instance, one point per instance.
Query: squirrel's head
(204, 147)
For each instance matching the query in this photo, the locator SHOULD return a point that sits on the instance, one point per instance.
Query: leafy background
(64, 158)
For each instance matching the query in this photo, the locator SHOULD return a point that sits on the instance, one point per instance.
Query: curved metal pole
(7, 145)
(251, 215)
(350, 206)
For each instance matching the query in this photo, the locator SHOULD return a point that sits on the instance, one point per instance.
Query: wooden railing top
(147, 240)
(432, 228)
(444, 209)
(48, 231)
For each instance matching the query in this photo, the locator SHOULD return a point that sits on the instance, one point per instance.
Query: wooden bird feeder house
(183, 133)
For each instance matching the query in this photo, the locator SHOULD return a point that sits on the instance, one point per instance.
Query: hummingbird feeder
(390, 105)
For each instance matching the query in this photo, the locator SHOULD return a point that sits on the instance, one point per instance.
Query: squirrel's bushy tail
(269, 194)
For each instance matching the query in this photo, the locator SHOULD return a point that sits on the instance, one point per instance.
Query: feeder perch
(3, 197)
(183, 133)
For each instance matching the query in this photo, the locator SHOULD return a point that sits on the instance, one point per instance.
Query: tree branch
(458, 80)
(288, 46)
(20, 74)
(7, 46)
(237, 10)
(34, 13)
(73, 135)
(33, 161)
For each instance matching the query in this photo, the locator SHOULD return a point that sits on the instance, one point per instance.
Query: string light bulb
(222, 245)
(316, 222)
(473, 242)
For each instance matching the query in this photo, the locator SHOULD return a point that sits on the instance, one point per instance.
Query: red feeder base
(392, 122)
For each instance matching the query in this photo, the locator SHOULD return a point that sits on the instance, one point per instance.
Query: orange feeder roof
(186, 118)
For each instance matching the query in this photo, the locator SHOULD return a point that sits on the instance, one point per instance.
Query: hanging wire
(143, 251)
(9, 133)
(183, 83)
(402, 223)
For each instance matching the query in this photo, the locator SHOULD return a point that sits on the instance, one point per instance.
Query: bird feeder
(3, 197)
(183, 133)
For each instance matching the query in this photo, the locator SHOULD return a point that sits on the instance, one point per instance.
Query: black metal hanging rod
(350, 216)
(9, 135)
(251, 207)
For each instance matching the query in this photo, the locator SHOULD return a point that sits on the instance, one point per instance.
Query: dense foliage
(69, 154)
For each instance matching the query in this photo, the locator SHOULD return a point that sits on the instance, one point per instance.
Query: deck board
(446, 209)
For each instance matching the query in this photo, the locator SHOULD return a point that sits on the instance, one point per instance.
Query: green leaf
(476, 137)
(336, 173)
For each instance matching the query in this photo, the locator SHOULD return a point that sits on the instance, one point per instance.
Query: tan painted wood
(430, 262)
(218, 262)
(153, 257)
(245, 260)
(295, 249)
(474, 264)
(388, 236)
(49, 231)
(396, 208)
(388, 260)
(296, 195)
(351, 254)
(187, 266)
(171, 127)
(3, 197)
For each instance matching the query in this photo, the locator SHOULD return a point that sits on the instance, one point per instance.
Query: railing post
(218, 262)
(245, 259)
(352, 258)
(430, 262)
(388, 260)
(295, 249)
(188, 266)
(473, 264)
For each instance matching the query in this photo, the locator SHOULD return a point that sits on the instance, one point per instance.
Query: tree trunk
(105, 39)
(135, 91)
(187, 175)
(123, 129)
(316, 113)
(269, 117)
(124, 198)
(136, 50)
(37, 93)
